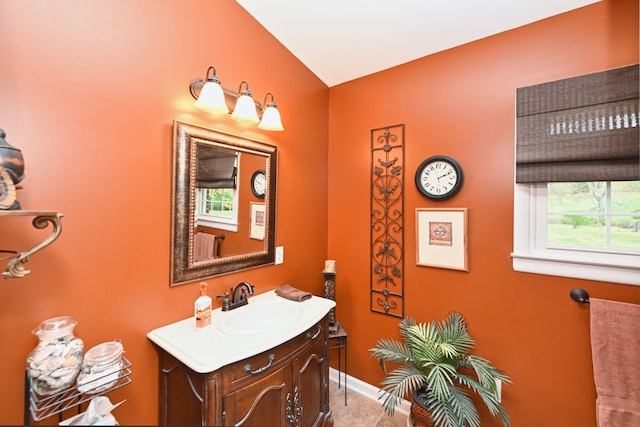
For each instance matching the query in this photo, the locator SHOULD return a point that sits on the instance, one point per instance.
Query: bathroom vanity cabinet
(276, 378)
(283, 386)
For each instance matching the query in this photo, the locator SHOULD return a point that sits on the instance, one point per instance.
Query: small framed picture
(257, 221)
(441, 238)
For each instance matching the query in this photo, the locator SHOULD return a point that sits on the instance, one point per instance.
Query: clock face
(259, 183)
(439, 177)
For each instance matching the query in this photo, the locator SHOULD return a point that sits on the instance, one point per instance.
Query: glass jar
(101, 368)
(55, 362)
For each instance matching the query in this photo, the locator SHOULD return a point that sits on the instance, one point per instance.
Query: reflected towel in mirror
(204, 246)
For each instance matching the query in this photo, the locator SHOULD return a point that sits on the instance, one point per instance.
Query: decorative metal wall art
(387, 220)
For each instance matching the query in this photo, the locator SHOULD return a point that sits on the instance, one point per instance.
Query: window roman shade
(216, 168)
(579, 129)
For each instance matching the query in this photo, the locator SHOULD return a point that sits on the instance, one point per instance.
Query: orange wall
(461, 103)
(89, 93)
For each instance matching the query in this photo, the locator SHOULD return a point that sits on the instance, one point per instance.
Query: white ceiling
(342, 40)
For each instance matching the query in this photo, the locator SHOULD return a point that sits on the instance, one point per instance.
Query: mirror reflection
(220, 207)
(223, 212)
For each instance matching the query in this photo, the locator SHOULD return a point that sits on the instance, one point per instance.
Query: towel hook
(579, 295)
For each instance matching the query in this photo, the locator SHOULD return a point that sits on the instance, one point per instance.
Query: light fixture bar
(266, 113)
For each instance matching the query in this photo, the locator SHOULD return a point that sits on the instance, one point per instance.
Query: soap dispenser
(202, 308)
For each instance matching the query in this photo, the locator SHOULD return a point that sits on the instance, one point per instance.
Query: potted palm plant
(434, 366)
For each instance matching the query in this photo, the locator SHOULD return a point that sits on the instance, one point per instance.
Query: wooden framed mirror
(218, 225)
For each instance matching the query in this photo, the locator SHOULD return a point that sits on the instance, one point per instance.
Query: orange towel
(615, 348)
(294, 294)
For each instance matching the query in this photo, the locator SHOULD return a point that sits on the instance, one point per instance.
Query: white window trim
(530, 254)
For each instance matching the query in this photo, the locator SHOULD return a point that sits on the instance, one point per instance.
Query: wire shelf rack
(42, 407)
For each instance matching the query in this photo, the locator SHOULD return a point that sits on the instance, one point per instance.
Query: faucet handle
(226, 304)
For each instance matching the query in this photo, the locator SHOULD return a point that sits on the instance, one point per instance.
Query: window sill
(216, 224)
(626, 274)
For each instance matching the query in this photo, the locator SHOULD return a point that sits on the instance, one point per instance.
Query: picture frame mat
(258, 213)
(441, 238)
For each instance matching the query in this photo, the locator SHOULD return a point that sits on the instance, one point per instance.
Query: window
(597, 215)
(577, 191)
(581, 230)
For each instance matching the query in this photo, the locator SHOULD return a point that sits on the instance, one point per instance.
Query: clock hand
(448, 173)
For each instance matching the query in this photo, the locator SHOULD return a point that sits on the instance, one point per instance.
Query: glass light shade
(245, 110)
(271, 119)
(211, 99)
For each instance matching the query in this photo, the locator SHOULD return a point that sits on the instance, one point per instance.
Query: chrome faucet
(239, 296)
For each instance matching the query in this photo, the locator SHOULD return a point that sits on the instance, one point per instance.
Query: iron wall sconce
(212, 97)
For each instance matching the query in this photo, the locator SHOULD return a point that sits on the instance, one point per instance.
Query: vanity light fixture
(245, 110)
(271, 116)
(212, 97)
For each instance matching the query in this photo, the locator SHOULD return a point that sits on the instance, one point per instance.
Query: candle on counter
(330, 266)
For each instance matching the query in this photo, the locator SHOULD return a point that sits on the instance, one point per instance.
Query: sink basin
(260, 317)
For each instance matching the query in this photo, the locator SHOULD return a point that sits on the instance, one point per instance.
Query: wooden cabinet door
(260, 403)
(182, 392)
(310, 379)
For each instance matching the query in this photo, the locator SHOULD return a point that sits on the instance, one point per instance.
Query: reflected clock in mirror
(212, 193)
(259, 183)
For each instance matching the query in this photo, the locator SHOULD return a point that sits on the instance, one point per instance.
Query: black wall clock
(439, 177)
(259, 183)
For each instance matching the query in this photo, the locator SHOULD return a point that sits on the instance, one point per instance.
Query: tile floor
(361, 411)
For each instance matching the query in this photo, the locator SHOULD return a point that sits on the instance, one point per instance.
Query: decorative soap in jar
(102, 367)
(55, 362)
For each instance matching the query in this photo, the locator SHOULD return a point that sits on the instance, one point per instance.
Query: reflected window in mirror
(217, 208)
(216, 188)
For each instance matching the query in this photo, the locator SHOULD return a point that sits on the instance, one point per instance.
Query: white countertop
(206, 350)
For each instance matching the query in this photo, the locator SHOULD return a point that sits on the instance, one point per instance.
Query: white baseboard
(365, 389)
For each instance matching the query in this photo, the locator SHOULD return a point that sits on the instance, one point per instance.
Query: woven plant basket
(420, 416)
